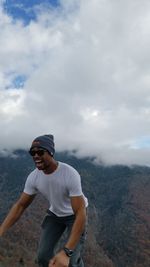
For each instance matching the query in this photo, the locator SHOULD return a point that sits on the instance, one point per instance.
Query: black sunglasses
(39, 152)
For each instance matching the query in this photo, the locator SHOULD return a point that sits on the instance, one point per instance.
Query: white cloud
(88, 79)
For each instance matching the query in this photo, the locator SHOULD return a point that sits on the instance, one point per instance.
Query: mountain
(119, 213)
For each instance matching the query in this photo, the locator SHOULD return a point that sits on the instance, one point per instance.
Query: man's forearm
(13, 215)
(77, 229)
(16, 212)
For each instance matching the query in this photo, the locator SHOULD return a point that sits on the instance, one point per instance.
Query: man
(60, 184)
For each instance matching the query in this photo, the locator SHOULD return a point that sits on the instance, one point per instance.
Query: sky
(80, 70)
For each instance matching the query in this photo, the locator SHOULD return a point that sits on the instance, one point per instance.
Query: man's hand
(59, 260)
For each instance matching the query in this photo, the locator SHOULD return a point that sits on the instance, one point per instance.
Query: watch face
(68, 252)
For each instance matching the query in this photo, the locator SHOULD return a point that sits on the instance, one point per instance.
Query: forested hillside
(119, 213)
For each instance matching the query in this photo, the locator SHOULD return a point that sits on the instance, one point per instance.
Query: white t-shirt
(57, 187)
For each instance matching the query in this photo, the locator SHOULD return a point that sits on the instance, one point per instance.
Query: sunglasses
(39, 152)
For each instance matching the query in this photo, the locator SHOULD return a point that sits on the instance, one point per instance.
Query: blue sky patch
(25, 10)
(143, 142)
(19, 81)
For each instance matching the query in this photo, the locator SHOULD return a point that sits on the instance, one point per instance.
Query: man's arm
(78, 206)
(16, 212)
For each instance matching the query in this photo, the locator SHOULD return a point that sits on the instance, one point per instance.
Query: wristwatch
(68, 251)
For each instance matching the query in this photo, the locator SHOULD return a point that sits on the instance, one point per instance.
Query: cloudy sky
(79, 69)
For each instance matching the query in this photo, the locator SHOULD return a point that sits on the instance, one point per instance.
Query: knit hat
(45, 141)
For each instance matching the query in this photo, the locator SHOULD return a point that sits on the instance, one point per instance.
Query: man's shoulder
(68, 168)
(33, 173)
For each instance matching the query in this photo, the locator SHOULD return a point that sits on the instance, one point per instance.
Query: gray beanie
(45, 141)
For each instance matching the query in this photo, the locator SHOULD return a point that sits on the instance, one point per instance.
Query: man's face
(41, 158)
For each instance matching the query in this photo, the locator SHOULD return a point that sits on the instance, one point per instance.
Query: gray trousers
(53, 228)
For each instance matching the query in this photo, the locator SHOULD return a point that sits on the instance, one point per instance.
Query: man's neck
(51, 168)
